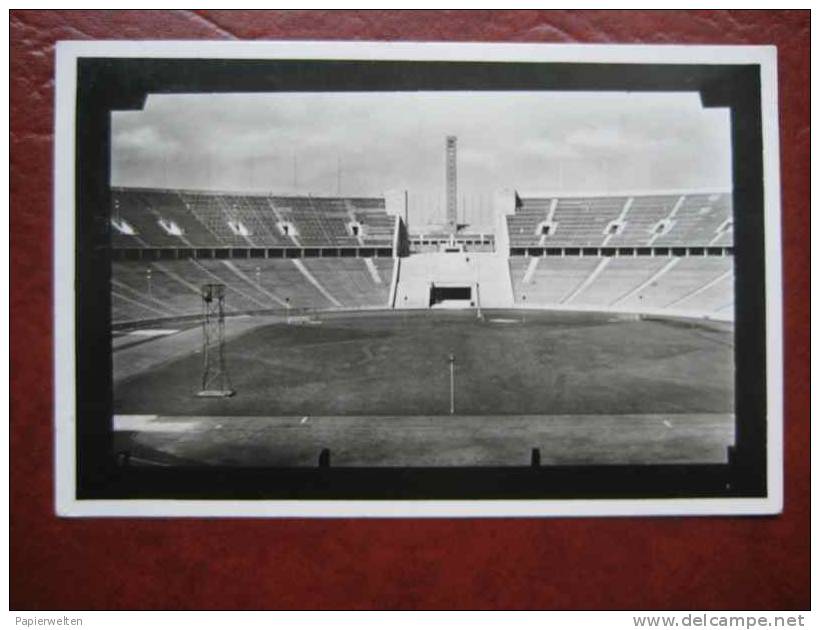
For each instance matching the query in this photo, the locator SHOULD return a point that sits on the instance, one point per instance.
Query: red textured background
(526, 563)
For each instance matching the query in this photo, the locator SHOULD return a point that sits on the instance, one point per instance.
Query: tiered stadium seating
(697, 220)
(256, 214)
(353, 284)
(553, 281)
(642, 218)
(214, 213)
(619, 277)
(725, 239)
(143, 211)
(714, 296)
(695, 284)
(673, 287)
(172, 287)
(582, 222)
(523, 225)
(323, 221)
(380, 227)
(205, 219)
(125, 309)
(281, 278)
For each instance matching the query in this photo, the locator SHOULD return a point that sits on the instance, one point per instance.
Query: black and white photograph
(369, 280)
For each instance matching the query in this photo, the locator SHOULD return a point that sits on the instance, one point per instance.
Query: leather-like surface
(635, 563)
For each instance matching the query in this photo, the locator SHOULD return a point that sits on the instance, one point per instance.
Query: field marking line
(152, 332)
(150, 424)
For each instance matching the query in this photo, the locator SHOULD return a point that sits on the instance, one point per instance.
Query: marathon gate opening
(461, 296)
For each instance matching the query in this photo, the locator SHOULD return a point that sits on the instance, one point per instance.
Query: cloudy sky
(369, 143)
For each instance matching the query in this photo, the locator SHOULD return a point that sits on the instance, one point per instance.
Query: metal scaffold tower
(216, 383)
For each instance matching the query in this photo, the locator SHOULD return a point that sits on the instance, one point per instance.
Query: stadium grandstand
(660, 253)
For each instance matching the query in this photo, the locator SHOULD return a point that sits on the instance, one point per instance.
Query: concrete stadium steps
(349, 281)
(553, 280)
(126, 308)
(379, 227)
(143, 215)
(384, 267)
(149, 285)
(211, 211)
(619, 277)
(251, 285)
(643, 216)
(170, 206)
(694, 285)
(283, 280)
(711, 297)
(726, 239)
(685, 277)
(488, 270)
(697, 220)
(240, 295)
(254, 213)
(203, 218)
(581, 221)
(323, 221)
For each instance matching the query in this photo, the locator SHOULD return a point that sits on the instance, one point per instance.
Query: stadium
(595, 329)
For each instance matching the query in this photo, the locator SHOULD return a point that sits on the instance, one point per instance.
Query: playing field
(375, 389)
(397, 364)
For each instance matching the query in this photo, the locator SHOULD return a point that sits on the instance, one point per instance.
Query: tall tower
(452, 185)
(215, 380)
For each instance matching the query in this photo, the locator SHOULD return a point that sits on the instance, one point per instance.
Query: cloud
(372, 142)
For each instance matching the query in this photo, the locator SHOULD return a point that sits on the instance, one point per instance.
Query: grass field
(374, 389)
(394, 364)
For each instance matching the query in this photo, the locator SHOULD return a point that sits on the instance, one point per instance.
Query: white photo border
(68, 53)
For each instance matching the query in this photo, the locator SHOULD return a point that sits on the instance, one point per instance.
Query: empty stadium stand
(673, 220)
(662, 252)
(169, 289)
(698, 285)
(169, 218)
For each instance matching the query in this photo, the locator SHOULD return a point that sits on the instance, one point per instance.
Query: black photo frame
(105, 85)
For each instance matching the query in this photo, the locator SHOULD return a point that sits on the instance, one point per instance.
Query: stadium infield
(374, 388)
